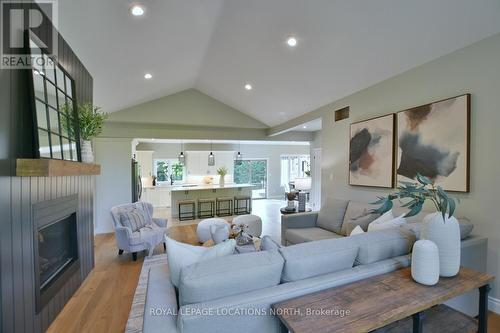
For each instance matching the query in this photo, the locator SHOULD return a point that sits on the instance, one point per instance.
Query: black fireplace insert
(56, 247)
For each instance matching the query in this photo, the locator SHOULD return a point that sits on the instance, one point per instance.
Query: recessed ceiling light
(148, 76)
(291, 41)
(304, 126)
(137, 10)
(248, 86)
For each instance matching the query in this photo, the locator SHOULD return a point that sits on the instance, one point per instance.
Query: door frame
(267, 172)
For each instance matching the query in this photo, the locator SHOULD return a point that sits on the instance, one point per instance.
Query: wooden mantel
(54, 168)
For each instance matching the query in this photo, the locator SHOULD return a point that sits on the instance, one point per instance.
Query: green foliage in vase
(418, 193)
(90, 120)
(222, 171)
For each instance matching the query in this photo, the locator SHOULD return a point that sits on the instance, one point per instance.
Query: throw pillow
(134, 220)
(381, 225)
(181, 255)
(363, 221)
(356, 231)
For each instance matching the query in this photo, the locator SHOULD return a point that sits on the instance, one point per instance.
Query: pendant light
(182, 157)
(211, 156)
(239, 156)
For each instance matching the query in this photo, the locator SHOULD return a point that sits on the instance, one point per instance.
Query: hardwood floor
(102, 303)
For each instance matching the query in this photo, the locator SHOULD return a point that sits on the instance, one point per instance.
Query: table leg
(483, 309)
(418, 321)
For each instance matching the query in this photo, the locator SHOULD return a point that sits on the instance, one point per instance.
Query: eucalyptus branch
(418, 193)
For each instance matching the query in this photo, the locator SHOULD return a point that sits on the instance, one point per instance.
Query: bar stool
(242, 209)
(221, 211)
(189, 214)
(203, 213)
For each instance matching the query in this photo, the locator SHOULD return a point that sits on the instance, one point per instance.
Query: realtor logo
(35, 18)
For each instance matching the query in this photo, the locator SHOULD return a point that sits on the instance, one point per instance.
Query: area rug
(136, 315)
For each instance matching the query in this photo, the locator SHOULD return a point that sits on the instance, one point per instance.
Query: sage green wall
(114, 184)
(474, 69)
(189, 107)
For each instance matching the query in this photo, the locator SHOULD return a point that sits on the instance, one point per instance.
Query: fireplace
(56, 246)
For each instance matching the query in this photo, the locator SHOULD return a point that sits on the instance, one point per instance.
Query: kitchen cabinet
(197, 162)
(157, 196)
(145, 160)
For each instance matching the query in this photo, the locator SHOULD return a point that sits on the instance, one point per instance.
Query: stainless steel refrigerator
(136, 181)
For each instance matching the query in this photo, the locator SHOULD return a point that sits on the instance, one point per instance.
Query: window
(166, 168)
(294, 166)
(53, 108)
(253, 172)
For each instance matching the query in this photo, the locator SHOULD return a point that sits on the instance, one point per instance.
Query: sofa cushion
(331, 215)
(302, 235)
(230, 275)
(465, 228)
(180, 255)
(386, 224)
(384, 244)
(362, 221)
(357, 211)
(268, 244)
(317, 258)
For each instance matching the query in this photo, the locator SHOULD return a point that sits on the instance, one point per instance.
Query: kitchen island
(196, 191)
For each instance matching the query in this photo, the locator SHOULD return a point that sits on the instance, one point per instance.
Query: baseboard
(494, 305)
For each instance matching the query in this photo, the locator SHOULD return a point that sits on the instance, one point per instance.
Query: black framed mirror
(55, 118)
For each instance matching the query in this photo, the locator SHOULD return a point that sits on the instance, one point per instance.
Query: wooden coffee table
(379, 301)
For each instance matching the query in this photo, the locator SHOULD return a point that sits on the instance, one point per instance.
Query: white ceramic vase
(445, 233)
(86, 150)
(425, 262)
(222, 181)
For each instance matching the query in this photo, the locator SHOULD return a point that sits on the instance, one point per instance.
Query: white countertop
(202, 187)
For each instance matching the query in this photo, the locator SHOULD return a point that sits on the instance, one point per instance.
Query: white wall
(270, 152)
(114, 185)
(474, 69)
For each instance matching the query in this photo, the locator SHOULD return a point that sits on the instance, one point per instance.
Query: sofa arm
(123, 234)
(297, 221)
(160, 222)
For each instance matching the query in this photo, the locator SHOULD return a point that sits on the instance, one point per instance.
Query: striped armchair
(146, 238)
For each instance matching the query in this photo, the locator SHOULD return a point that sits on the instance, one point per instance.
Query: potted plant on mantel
(90, 121)
(222, 172)
(440, 227)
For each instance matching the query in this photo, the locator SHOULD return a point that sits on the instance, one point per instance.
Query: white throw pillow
(180, 255)
(394, 223)
(357, 230)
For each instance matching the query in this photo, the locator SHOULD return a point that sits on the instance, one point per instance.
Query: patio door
(252, 171)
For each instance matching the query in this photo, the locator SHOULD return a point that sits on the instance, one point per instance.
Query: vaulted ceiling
(218, 46)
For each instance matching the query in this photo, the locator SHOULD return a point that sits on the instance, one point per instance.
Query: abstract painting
(371, 152)
(433, 140)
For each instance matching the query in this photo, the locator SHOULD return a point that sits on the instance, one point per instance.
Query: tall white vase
(446, 235)
(222, 181)
(86, 149)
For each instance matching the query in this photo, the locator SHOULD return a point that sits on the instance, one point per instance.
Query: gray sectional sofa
(235, 293)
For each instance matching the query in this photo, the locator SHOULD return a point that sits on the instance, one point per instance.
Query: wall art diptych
(433, 140)
(371, 152)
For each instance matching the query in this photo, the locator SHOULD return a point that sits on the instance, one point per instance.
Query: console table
(379, 301)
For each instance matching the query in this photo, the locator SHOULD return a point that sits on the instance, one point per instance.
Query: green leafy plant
(222, 171)
(90, 120)
(418, 193)
(161, 171)
(177, 169)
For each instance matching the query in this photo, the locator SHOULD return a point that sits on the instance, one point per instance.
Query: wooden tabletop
(372, 303)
